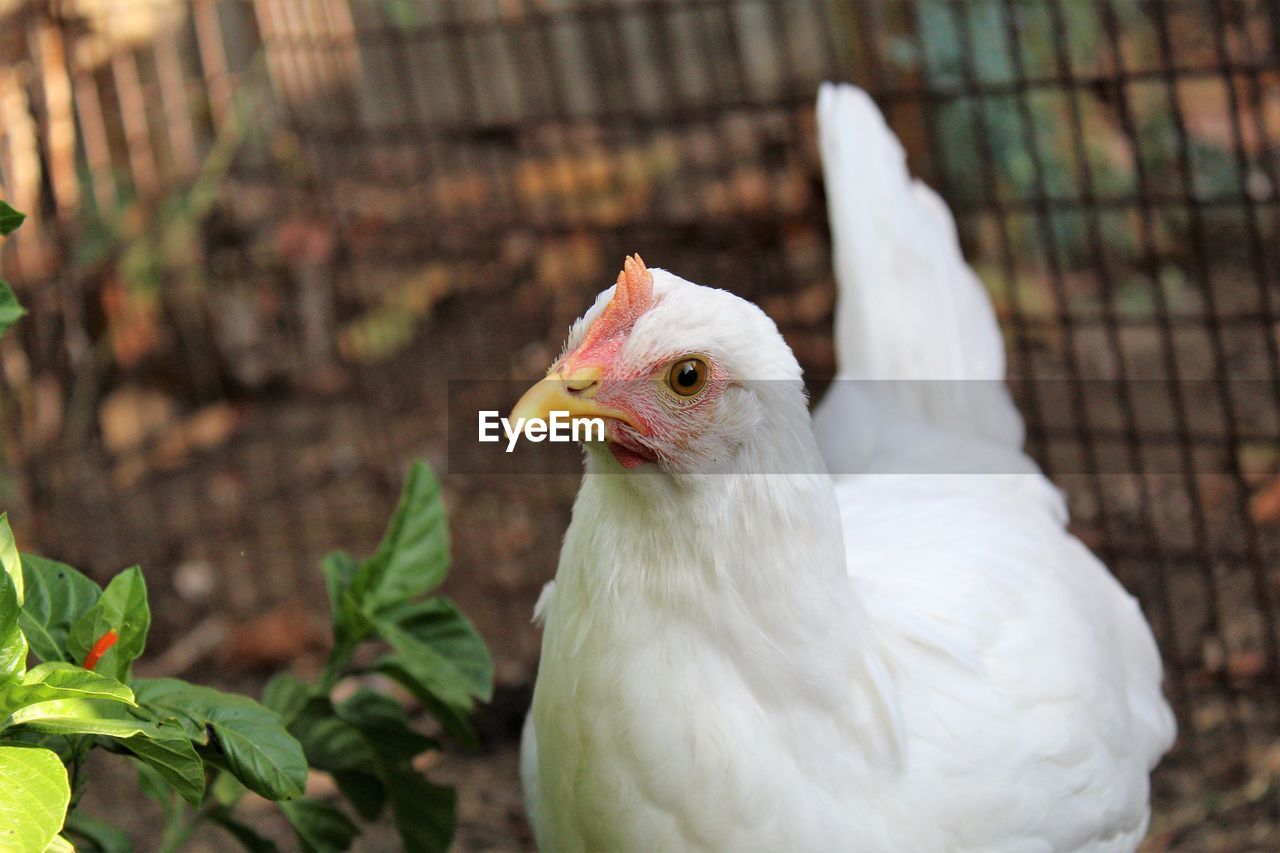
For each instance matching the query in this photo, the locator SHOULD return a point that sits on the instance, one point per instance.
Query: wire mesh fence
(266, 232)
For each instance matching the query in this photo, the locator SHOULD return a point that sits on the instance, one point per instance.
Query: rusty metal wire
(361, 165)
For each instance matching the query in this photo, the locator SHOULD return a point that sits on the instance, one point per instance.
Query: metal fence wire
(253, 220)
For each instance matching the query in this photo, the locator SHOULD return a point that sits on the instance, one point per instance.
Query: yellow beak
(574, 394)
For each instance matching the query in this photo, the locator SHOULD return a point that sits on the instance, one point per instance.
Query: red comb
(632, 297)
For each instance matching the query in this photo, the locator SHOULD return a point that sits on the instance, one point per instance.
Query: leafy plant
(364, 740)
(198, 750)
(52, 714)
(10, 310)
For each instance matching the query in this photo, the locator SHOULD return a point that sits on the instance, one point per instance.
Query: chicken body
(826, 634)
(973, 688)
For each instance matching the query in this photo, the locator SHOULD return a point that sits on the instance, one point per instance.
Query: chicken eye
(687, 376)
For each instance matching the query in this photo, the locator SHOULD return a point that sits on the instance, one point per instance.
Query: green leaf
(166, 700)
(100, 837)
(454, 721)
(61, 745)
(252, 739)
(62, 681)
(13, 643)
(438, 624)
(382, 723)
(363, 790)
(56, 596)
(34, 794)
(438, 655)
(69, 677)
(170, 753)
(286, 694)
(355, 624)
(10, 219)
(60, 845)
(432, 672)
(121, 608)
(368, 734)
(414, 554)
(11, 311)
(262, 755)
(321, 826)
(80, 716)
(424, 813)
(9, 559)
(329, 742)
(339, 569)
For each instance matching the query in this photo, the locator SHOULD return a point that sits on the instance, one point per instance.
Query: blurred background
(265, 235)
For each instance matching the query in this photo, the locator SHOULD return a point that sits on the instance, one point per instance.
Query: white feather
(875, 660)
(910, 310)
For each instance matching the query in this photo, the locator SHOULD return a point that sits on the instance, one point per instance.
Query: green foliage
(10, 310)
(121, 608)
(80, 716)
(365, 741)
(13, 644)
(198, 750)
(10, 219)
(171, 753)
(33, 797)
(245, 737)
(57, 680)
(413, 556)
(321, 827)
(57, 596)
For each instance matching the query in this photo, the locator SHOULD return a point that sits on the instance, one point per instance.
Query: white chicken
(869, 631)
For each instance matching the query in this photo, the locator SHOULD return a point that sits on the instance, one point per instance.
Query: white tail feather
(908, 306)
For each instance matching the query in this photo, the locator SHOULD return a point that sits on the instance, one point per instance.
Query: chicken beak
(573, 393)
